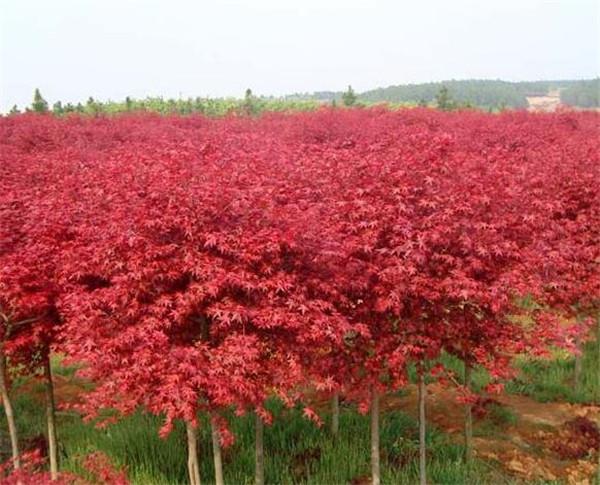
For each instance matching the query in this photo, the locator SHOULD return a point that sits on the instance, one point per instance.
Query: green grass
(552, 379)
(501, 415)
(496, 422)
(479, 377)
(297, 451)
(543, 379)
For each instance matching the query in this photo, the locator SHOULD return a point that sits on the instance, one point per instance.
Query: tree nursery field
(340, 296)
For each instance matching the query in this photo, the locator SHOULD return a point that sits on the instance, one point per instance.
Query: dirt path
(548, 441)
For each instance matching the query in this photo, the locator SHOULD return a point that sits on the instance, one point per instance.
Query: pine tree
(39, 105)
(349, 97)
(444, 100)
(199, 105)
(250, 106)
(14, 110)
(92, 106)
(57, 108)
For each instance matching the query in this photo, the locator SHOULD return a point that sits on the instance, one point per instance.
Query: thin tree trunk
(598, 388)
(375, 462)
(422, 457)
(8, 409)
(216, 453)
(51, 419)
(259, 452)
(578, 366)
(598, 467)
(192, 445)
(335, 414)
(468, 418)
(598, 378)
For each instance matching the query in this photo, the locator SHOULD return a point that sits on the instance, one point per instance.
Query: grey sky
(72, 49)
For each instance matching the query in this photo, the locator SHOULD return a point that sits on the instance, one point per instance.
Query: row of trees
(198, 266)
(250, 104)
(484, 94)
(488, 94)
(583, 93)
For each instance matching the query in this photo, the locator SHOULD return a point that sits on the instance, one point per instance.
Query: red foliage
(198, 264)
(577, 439)
(98, 466)
(32, 472)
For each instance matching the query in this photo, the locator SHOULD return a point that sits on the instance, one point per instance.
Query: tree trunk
(468, 418)
(259, 452)
(192, 445)
(598, 467)
(335, 414)
(598, 388)
(51, 419)
(8, 409)
(598, 378)
(375, 463)
(216, 453)
(422, 457)
(578, 356)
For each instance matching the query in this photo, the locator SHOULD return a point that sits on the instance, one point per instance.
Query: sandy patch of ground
(546, 103)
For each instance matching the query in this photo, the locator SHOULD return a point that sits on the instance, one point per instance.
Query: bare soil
(547, 103)
(549, 441)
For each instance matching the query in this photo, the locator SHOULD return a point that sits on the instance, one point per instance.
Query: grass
(552, 379)
(496, 422)
(501, 415)
(297, 451)
(479, 377)
(543, 379)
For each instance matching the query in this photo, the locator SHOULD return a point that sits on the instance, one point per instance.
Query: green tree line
(448, 95)
(248, 105)
(484, 94)
(582, 93)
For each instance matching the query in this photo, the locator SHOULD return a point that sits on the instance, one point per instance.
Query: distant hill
(480, 93)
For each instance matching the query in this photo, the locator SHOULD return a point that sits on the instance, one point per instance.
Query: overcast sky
(108, 49)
